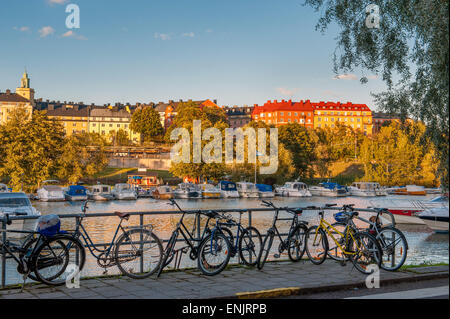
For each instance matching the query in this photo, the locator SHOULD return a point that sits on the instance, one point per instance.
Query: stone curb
(293, 291)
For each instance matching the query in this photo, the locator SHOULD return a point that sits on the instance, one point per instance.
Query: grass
(425, 264)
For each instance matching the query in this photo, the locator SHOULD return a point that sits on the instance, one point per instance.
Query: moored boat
(50, 192)
(328, 190)
(209, 191)
(228, 189)
(76, 193)
(4, 188)
(187, 191)
(436, 218)
(124, 191)
(366, 189)
(265, 191)
(247, 190)
(14, 203)
(293, 189)
(413, 190)
(162, 192)
(100, 193)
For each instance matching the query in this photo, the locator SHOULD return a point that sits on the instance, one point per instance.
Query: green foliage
(77, 162)
(301, 143)
(29, 148)
(32, 151)
(146, 121)
(400, 155)
(411, 46)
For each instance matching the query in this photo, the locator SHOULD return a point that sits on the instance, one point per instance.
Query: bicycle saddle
(211, 214)
(122, 215)
(297, 211)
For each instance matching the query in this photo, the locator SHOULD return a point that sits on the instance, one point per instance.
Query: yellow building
(73, 117)
(356, 116)
(23, 98)
(108, 120)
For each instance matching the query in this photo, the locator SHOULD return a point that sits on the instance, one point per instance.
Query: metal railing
(77, 217)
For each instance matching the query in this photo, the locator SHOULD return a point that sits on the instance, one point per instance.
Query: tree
(412, 35)
(146, 121)
(76, 161)
(119, 138)
(298, 140)
(29, 149)
(399, 155)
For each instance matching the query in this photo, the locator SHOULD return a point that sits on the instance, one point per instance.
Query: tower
(24, 90)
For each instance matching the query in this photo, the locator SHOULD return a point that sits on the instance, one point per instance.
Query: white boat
(100, 193)
(247, 190)
(162, 192)
(435, 218)
(328, 190)
(187, 191)
(4, 188)
(76, 193)
(265, 191)
(13, 203)
(209, 191)
(49, 192)
(124, 191)
(228, 189)
(293, 189)
(366, 189)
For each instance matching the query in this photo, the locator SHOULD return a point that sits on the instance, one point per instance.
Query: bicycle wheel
(366, 251)
(334, 251)
(168, 252)
(394, 247)
(316, 245)
(265, 249)
(213, 254)
(296, 243)
(138, 253)
(54, 255)
(249, 246)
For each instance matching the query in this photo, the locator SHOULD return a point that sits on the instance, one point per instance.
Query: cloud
(189, 34)
(71, 34)
(162, 36)
(46, 31)
(350, 77)
(22, 29)
(56, 1)
(287, 92)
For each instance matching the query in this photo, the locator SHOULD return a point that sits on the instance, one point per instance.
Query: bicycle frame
(324, 225)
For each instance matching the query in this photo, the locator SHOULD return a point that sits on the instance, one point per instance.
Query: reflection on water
(424, 246)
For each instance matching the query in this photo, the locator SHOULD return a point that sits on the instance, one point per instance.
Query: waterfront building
(315, 115)
(168, 111)
(73, 117)
(23, 98)
(239, 116)
(380, 119)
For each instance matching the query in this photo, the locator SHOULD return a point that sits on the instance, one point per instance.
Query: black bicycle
(137, 252)
(46, 257)
(294, 242)
(247, 242)
(212, 249)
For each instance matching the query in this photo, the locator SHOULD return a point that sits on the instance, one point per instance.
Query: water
(424, 245)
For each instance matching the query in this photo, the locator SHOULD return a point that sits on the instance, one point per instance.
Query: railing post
(250, 225)
(141, 245)
(199, 234)
(77, 253)
(3, 253)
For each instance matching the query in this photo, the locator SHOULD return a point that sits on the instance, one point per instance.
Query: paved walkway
(234, 282)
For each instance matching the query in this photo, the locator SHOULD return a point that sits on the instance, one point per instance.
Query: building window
(319, 119)
(281, 113)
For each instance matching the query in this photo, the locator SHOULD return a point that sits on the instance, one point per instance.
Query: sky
(241, 52)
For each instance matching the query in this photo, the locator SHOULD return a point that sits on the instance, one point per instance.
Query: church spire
(25, 81)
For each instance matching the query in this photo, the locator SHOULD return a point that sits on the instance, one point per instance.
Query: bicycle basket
(341, 217)
(49, 225)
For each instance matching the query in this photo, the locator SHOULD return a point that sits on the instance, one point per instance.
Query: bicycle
(218, 244)
(247, 241)
(361, 248)
(392, 241)
(137, 252)
(45, 256)
(294, 242)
